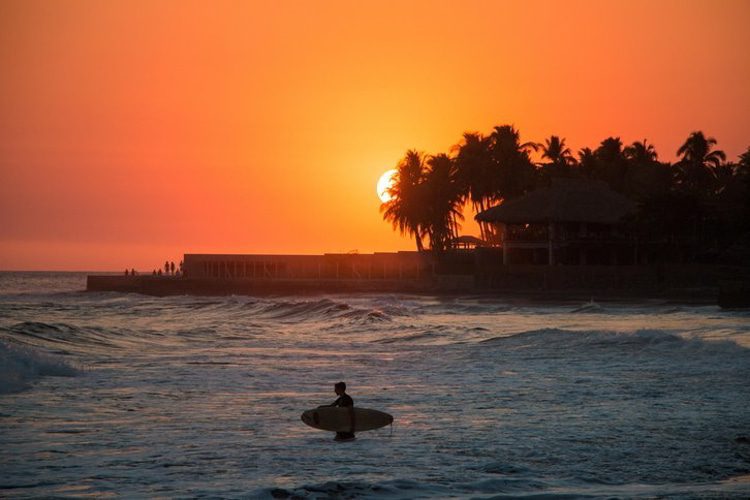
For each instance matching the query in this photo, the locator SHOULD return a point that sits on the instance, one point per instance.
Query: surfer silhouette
(343, 401)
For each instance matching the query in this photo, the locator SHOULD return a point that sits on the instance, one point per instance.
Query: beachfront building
(350, 266)
(572, 222)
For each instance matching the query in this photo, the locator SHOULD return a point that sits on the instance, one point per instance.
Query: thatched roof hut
(567, 200)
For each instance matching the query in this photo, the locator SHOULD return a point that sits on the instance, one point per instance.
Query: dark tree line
(692, 209)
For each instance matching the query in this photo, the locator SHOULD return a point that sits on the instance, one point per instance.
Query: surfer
(343, 401)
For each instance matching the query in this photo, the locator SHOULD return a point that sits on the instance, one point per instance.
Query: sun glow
(384, 184)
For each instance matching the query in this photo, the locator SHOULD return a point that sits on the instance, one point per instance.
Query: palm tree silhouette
(743, 165)
(586, 163)
(696, 170)
(645, 175)
(473, 164)
(405, 210)
(611, 165)
(641, 152)
(443, 198)
(697, 148)
(560, 159)
(742, 173)
(513, 172)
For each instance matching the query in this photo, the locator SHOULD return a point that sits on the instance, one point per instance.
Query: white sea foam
(20, 366)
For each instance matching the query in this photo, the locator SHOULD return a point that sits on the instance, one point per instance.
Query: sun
(384, 183)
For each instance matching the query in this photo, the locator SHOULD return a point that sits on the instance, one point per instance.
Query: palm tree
(742, 168)
(697, 149)
(473, 163)
(513, 170)
(586, 163)
(560, 159)
(641, 152)
(645, 175)
(696, 170)
(742, 172)
(405, 209)
(611, 165)
(444, 199)
(731, 200)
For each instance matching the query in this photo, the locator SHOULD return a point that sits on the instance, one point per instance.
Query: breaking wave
(21, 366)
(554, 338)
(318, 310)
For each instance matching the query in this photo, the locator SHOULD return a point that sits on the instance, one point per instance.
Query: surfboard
(337, 419)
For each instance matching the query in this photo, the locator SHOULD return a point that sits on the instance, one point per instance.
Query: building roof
(567, 200)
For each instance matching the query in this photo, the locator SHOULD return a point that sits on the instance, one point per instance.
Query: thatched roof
(567, 200)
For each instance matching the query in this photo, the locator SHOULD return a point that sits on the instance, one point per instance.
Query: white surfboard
(338, 419)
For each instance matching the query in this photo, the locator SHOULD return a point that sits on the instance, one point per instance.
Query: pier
(465, 272)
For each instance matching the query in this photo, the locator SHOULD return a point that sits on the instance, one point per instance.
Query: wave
(58, 335)
(550, 336)
(304, 309)
(20, 366)
(506, 488)
(68, 339)
(318, 310)
(563, 342)
(545, 336)
(660, 343)
(414, 337)
(394, 489)
(589, 307)
(397, 489)
(460, 308)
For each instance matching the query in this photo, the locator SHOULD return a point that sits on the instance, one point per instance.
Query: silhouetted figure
(343, 401)
(159, 272)
(132, 272)
(154, 273)
(181, 264)
(171, 267)
(166, 267)
(127, 272)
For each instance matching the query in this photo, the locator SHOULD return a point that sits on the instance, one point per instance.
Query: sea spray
(20, 366)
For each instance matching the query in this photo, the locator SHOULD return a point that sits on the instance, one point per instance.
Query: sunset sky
(132, 132)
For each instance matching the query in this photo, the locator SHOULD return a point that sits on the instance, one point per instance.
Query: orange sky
(134, 131)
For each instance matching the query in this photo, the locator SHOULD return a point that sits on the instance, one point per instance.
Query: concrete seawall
(163, 286)
(686, 283)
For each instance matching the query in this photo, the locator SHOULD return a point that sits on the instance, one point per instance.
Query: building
(573, 221)
(352, 266)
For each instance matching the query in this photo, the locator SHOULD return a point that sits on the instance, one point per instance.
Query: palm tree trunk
(487, 233)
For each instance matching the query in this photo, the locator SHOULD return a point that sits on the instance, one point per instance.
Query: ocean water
(105, 394)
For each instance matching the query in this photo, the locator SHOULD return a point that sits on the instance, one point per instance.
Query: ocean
(124, 395)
